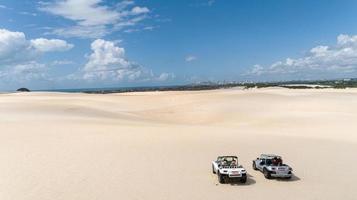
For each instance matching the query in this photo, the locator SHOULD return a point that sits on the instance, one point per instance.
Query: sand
(159, 145)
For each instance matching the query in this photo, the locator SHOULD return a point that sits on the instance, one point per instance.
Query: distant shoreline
(319, 84)
(139, 89)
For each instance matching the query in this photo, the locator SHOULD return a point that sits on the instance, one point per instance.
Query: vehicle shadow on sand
(294, 178)
(250, 181)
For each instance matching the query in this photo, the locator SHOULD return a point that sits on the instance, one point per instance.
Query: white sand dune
(159, 145)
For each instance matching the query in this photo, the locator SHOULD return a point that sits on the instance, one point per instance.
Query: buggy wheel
(220, 178)
(243, 180)
(214, 172)
(267, 174)
(255, 166)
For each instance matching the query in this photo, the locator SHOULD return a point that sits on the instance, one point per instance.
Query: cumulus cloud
(18, 55)
(108, 63)
(320, 61)
(92, 18)
(15, 48)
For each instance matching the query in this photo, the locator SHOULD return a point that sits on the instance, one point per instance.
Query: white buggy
(227, 169)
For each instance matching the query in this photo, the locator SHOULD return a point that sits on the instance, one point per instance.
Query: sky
(60, 44)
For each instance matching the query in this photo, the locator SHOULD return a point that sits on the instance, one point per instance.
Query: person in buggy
(276, 161)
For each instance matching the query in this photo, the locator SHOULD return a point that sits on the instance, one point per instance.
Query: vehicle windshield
(228, 161)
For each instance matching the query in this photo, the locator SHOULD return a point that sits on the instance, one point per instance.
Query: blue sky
(107, 43)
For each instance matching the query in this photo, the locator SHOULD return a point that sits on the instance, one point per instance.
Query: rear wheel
(267, 174)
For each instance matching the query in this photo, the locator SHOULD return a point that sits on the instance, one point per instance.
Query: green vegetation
(317, 84)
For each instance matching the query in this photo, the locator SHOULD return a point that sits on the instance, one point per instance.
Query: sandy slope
(159, 145)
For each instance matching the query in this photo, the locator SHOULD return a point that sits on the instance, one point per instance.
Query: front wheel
(255, 166)
(243, 180)
(267, 174)
(220, 178)
(214, 172)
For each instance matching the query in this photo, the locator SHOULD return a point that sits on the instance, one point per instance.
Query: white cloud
(165, 76)
(3, 7)
(139, 10)
(108, 63)
(346, 40)
(14, 47)
(46, 45)
(24, 73)
(92, 18)
(18, 55)
(257, 70)
(80, 31)
(28, 71)
(190, 58)
(124, 4)
(85, 12)
(321, 61)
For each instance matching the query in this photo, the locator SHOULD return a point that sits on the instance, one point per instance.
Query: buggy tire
(266, 173)
(214, 172)
(254, 166)
(221, 178)
(243, 180)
